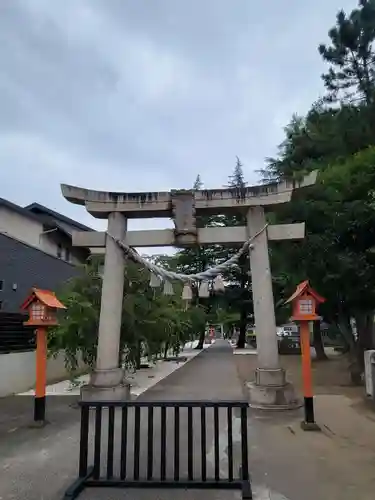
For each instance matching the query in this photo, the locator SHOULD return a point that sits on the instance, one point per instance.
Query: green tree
(237, 178)
(77, 333)
(239, 296)
(324, 136)
(335, 140)
(336, 253)
(151, 324)
(198, 184)
(351, 55)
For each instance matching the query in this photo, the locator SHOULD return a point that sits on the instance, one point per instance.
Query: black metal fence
(14, 335)
(158, 444)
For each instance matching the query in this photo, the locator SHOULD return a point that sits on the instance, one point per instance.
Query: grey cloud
(143, 95)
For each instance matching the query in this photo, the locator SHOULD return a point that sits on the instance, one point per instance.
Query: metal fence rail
(159, 444)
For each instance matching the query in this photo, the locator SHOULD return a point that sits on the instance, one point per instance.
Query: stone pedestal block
(96, 394)
(270, 377)
(106, 385)
(110, 377)
(270, 391)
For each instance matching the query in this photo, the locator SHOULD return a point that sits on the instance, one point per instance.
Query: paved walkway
(41, 464)
(335, 464)
(16, 411)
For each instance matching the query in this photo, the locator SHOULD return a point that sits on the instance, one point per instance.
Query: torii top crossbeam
(160, 204)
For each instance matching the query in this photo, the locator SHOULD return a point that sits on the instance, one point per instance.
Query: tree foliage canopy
(351, 55)
(151, 321)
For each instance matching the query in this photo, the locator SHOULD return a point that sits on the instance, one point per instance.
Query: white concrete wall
(17, 372)
(31, 232)
(49, 245)
(19, 227)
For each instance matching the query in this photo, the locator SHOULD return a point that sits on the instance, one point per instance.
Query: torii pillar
(108, 379)
(107, 382)
(270, 389)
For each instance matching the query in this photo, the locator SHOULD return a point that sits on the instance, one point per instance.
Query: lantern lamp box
(42, 306)
(304, 302)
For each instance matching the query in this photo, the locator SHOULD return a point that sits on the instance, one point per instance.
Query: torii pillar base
(271, 391)
(106, 385)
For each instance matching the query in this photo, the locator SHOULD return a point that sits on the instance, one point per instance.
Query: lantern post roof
(46, 297)
(305, 288)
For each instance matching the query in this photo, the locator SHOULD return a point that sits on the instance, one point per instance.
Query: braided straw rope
(207, 275)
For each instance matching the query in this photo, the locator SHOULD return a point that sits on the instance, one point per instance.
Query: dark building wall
(14, 335)
(28, 267)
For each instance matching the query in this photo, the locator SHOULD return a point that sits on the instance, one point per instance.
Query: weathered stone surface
(271, 397)
(120, 392)
(270, 377)
(183, 211)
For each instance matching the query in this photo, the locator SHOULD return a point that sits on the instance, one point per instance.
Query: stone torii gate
(270, 388)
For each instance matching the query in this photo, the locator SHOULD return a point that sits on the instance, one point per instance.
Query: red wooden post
(304, 302)
(42, 306)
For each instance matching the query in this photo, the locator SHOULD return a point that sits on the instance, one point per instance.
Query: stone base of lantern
(106, 385)
(271, 391)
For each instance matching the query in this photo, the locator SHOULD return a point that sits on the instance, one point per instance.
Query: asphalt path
(40, 464)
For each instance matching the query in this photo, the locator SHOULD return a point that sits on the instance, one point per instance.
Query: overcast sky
(142, 95)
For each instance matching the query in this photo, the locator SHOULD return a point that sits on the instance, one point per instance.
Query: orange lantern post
(42, 306)
(304, 303)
